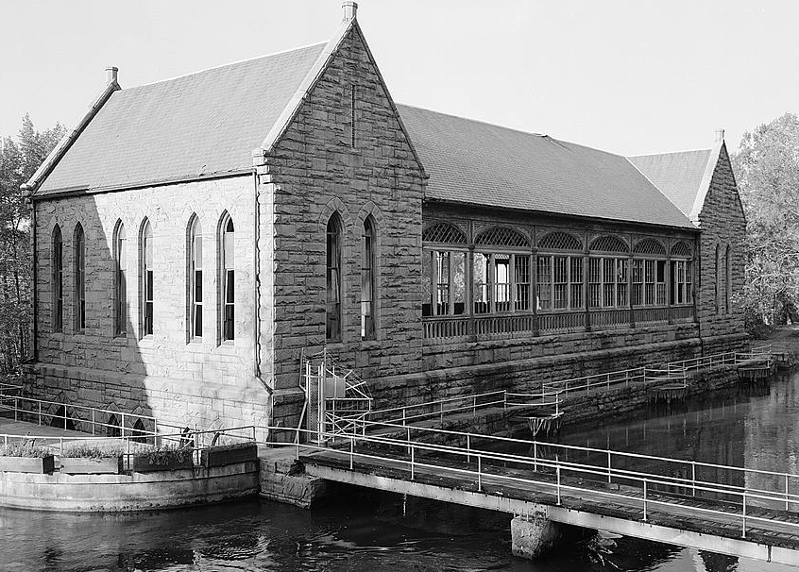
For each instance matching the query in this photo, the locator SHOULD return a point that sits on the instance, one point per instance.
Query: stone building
(195, 237)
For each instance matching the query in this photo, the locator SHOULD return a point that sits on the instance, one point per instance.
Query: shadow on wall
(94, 311)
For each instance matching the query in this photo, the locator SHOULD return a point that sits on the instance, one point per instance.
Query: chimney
(350, 10)
(719, 135)
(111, 75)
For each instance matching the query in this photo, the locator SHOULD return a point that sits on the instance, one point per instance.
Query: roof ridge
(670, 152)
(229, 64)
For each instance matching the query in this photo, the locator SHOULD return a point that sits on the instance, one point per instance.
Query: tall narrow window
(196, 279)
(727, 280)
(354, 94)
(228, 281)
(718, 277)
(333, 307)
(368, 281)
(120, 280)
(147, 289)
(58, 281)
(80, 279)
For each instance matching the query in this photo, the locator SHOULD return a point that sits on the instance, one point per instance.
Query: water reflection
(365, 531)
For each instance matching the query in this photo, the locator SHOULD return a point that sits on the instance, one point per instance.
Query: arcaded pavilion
(195, 238)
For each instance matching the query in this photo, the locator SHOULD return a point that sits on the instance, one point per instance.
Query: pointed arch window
(195, 279)
(718, 278)
(120, 280)
(228, 281)
(727, 279)
(368, 280)
(333, 307)
(80, 279)
(58, 280)
(147, 279)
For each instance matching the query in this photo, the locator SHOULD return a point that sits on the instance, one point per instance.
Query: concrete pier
(534, 535)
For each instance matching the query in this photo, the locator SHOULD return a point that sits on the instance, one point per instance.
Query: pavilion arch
(502, 236)
(650, 246)
(681, 248)
(443, 232)
(559, 240)
(609, 243)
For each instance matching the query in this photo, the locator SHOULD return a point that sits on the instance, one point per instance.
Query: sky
(627, 76)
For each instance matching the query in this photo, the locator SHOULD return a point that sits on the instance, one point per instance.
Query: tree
(18, 161)
(767, 172)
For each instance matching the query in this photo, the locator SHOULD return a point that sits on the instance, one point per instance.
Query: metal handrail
(645, 480)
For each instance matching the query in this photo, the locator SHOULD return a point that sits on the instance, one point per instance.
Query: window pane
(502, 282)
(427, 296)
(522, 276)
(459, 281)
(544, 286)
(481, 283)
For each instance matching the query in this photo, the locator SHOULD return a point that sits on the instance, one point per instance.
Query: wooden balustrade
(555, 322)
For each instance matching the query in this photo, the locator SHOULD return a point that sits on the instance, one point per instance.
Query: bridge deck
(674, 511)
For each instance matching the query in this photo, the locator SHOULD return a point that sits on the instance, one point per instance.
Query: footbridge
(732, 510)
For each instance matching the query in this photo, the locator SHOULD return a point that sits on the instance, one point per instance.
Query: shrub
(91, 452)
(166, 454)
(24, 449)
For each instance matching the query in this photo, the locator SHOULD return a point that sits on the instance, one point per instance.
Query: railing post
(468, 448)
(40, 413)
(535, 456)
(403, 417)
(608, 465)
(410, 450)
(693, 478)
(93, 421)
(474, 405)
(743, 517)
(441, 414)
(786, 493)
(644, 500)
(479, 473)
(352, 451)
(412, 468)
(557, 473)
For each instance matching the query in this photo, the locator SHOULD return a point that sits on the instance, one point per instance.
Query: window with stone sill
(57, 280)
(195, 279)
(228, 279)
(368, 264)
(147, 287)
(79, 243)
(333, 279)
(120, 280)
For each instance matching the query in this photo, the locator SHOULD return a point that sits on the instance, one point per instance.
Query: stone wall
(202, 382)
(722, 222)
(315, 171)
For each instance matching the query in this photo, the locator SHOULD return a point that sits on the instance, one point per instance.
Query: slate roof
(482, 164)
(200, 124)
(678, 175)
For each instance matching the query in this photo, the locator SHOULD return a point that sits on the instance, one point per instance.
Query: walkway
(722, 509)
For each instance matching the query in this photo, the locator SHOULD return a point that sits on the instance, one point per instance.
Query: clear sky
(628, 76)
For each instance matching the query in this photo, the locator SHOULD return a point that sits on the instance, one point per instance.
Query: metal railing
(145, 442)
(39, 410)
(695, 487)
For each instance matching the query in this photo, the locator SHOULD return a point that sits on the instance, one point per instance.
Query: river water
(367, 531)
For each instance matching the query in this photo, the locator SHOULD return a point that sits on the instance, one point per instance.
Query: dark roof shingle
(200, 124)
(478, 163)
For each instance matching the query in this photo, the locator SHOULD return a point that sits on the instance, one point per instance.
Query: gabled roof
(481, 164)
(679, 175)
(202, 124)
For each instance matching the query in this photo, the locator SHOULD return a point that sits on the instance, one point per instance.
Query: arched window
(58, 281)
(727, 279)
(368, 280)
(195, 278)
(139, 432)
(146, 288)
(112, 427)
(333, 307)
(718, 277)
(80, 279)
(228, 280)
(120, 281)
(62, 420)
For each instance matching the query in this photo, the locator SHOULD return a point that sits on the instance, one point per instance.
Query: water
(367, 531)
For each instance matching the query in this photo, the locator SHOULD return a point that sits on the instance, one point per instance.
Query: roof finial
(111, 75)
(350, 10)
(719, 135)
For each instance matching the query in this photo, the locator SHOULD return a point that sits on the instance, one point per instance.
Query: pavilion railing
(598, 319)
